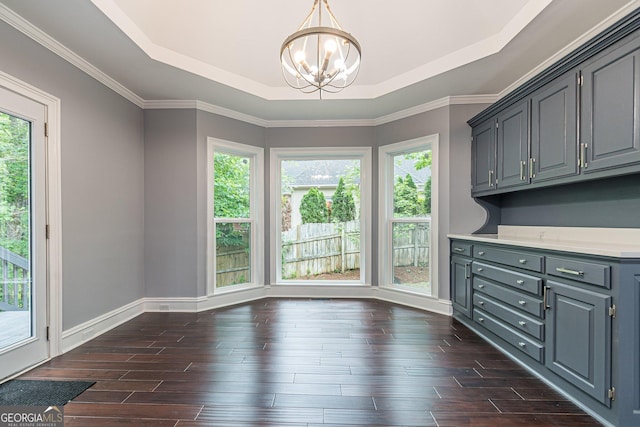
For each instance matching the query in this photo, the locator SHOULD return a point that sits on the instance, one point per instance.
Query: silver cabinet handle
(520, 282)
(490, 178)
(522, 302)
(522, 165)
(480, 319)
(458, 249)
(545, 296)
(522, 261)
(532, 164)
(480, 270)
(583, 155)
(480, 302)
(522, 323)
(467, 273)
(481, 286)
(567, 271)
(480, 253)
(522, 344)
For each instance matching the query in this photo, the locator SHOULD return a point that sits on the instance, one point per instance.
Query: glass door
(23, 297)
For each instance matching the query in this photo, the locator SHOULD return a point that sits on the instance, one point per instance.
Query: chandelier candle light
(320, 58)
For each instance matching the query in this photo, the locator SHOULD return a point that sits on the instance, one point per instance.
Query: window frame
(364, 154)
(386, 220)
(256, 217)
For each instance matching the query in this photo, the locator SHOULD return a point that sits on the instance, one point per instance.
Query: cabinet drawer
(519, 341)
(516, 319)
(516, 280)
(523, 260)
(459, 248)
(522, 301)
(581, 271)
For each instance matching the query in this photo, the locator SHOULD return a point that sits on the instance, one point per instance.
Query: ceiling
(225, 53)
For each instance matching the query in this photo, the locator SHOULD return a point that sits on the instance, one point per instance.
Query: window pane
(411, 255)
(231, 192)
(233, 253)
(320, 226)
(412, 185)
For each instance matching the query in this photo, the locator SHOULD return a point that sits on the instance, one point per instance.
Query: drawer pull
(522, 323)
(480, 253)
(480, 319)
(522, 261)
(567, 271)
(480, 302)
(458, 249)
(480, 270)
(520, 282)
(522, 344)
(522, 302)
(481, 286)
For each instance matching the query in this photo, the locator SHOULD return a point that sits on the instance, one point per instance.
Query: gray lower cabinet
(610, 109)
(556, 312)
(578, 345)
(461, 284)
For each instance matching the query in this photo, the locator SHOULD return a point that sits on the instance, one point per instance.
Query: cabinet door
(461, 284)
(610, 109)
(578, 344)
(513, 146)
(554, 144)
(483, 157)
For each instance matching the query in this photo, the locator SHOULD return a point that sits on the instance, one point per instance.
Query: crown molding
(571, 47)
(36, 34)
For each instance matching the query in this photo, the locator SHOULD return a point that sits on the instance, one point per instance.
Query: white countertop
(613, 242)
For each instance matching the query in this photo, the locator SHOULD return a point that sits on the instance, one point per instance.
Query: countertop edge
(591, 248)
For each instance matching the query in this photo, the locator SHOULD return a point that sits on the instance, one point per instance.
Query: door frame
(54, 204)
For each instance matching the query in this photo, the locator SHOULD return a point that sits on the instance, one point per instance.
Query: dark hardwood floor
(283, 362)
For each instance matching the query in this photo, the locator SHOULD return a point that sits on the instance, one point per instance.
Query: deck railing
(15, 281)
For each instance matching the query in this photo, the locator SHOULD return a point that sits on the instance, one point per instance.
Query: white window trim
(364, 155)
(385, 210)
(256, 217)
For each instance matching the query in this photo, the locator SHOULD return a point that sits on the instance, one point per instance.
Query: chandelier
(320, 57)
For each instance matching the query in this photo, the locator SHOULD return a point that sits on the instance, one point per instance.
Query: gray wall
(102, 181)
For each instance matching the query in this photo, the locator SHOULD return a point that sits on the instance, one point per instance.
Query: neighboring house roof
(309, 173)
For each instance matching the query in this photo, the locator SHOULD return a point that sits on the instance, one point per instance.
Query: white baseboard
(86, 331)
(80, 334)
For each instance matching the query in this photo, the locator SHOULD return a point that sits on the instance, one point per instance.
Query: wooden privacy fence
(411, 243)
(232, 266)
(15, 281)
(311, 249)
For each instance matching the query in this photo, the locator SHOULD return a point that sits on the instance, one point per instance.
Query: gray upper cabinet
(512, 146)
(578, 344)
(554, 143)
(610, 109)
(484, 149)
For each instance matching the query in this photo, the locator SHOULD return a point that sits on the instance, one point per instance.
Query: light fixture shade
(320, 58)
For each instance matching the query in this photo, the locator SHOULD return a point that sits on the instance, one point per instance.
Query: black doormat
(40, 393)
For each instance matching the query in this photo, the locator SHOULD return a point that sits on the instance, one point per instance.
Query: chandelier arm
(331, 15)
(307, 20)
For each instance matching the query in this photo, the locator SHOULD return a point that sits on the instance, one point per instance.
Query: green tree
(313, 207)
(427, 196)
(14, 184)
(405, 197)
(231, 198)
(343, 208)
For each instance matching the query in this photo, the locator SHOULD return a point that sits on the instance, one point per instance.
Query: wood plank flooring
(287, 362)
